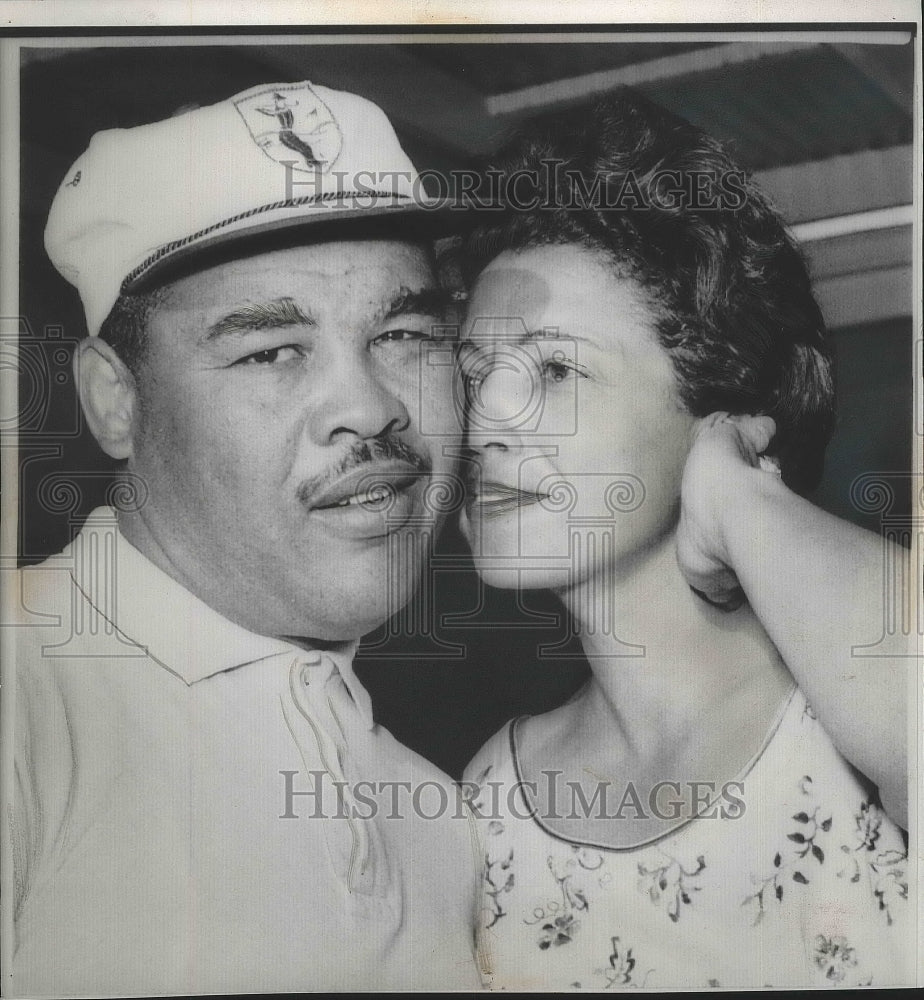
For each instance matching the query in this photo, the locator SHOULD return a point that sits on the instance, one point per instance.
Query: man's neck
(218, 590)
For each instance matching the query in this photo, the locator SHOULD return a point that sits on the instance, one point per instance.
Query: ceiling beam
(862, 251)
(874, 63)
(840, 185)
(858, 222)
(865, 297)
(696, 61)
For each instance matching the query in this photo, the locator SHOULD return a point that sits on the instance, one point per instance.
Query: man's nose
(357, 401)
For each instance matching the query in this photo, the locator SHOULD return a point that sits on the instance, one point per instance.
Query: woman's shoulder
(801, 772)
(493, 759)
(537, 735)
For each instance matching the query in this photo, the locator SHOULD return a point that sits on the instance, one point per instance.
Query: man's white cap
(275, 156)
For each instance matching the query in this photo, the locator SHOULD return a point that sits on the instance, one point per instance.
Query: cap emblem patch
(293, 125)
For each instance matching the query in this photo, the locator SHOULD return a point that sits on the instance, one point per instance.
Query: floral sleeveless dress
(804, 884)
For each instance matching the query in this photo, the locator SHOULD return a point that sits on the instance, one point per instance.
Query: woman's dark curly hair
(730, 291)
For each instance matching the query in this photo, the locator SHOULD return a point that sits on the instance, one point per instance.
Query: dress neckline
(533, 814)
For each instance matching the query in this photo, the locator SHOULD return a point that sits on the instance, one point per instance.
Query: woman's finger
(757, 430)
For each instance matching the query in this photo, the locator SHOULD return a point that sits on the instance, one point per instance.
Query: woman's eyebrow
(554, 333)
(272, 315)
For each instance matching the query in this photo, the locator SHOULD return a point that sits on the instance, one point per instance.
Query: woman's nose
(505, 400)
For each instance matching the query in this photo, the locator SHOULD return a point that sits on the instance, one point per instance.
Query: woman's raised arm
(819, 586)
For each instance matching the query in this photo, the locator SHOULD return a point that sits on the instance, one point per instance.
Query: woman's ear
(108, 396)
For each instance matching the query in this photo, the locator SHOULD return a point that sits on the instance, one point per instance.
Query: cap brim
(292, 225)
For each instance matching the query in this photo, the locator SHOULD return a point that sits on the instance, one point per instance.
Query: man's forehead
(330, 258)
(353, 271)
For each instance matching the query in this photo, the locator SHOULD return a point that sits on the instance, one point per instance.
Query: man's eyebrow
(273, 315)
(426, 302)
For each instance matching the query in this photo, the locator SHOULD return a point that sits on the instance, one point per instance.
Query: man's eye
(400, 336)
(272, 356)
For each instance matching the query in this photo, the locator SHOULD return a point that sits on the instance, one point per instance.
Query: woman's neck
(677, 684)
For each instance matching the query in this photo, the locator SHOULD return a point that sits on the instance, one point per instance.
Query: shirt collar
(175, 627)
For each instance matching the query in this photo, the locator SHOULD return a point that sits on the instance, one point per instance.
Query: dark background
(827, 128)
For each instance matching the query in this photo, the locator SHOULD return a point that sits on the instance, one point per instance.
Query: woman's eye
(557, 370)
(271, 356)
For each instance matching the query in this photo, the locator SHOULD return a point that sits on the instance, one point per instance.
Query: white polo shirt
(176, 826)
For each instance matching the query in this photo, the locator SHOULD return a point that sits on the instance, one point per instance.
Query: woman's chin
(505, 578)
(511, 554)
(511, 573)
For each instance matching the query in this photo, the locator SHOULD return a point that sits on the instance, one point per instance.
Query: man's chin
(349, 615)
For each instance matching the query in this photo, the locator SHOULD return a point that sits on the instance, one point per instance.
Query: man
(187, 716)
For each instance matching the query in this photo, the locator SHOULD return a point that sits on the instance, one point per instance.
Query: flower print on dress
(559, 931)
(671, 884)
(621, 973)
(474, 792)
(568, 872)
(884, 871)
(498, 879)
(587, 858)
(559, 923)
(834, 957)
(890, 883)
(868, 820)
(797, 857)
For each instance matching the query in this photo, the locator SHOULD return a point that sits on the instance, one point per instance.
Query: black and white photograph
(463, 512)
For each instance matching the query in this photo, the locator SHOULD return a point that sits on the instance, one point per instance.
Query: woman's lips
(492, 498)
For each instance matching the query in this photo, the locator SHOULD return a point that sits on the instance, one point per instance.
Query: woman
(649, 386)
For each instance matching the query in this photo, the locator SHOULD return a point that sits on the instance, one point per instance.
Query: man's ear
(107, 394)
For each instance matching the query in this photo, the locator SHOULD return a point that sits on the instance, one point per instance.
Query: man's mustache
(367, 452)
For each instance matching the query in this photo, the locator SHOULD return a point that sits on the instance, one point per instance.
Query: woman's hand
(725, 449)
